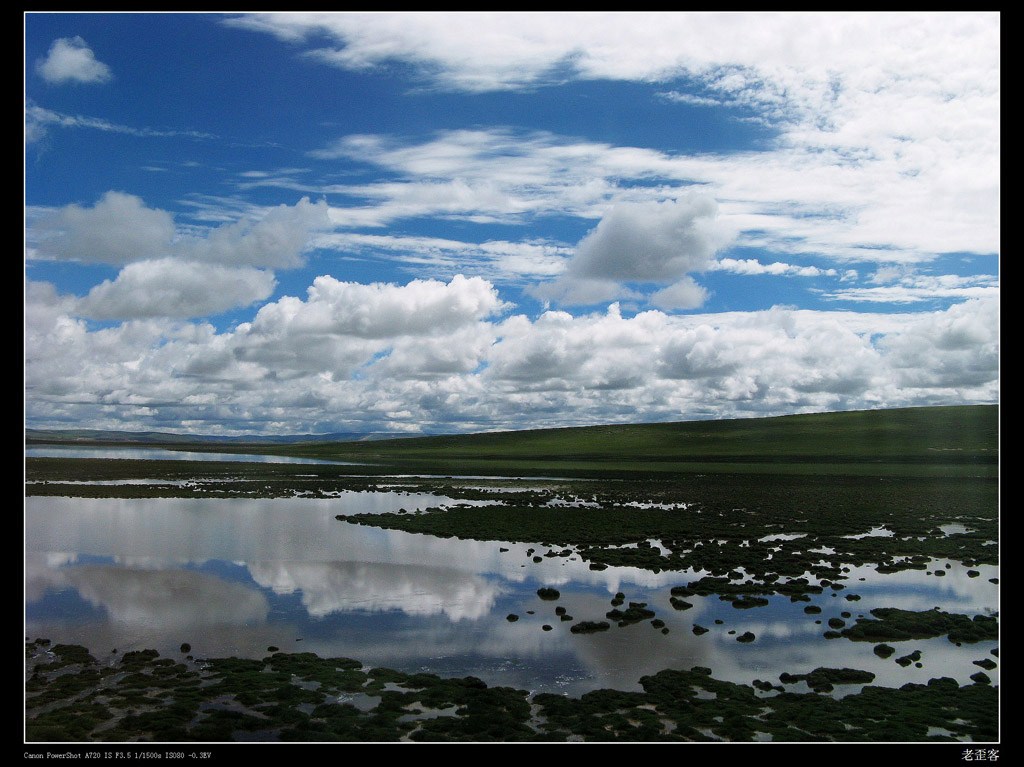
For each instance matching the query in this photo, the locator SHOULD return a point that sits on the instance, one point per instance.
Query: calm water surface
(162, 454)
(233, 577)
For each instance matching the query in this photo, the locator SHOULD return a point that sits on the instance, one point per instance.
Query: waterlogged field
(178, 600)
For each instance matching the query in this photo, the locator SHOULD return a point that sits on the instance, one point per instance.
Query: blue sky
(443, 222)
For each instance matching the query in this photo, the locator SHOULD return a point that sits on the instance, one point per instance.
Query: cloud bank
(429, 355)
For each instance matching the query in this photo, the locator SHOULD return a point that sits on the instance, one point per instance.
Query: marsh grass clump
(636, 612)
(745, 602)
(589, 627)
(906, 660)
(890, 623)
(680, 604)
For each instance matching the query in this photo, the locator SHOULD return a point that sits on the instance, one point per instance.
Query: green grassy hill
(932, 439)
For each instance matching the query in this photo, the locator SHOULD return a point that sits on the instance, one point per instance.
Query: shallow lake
(234, 577)
(163, 454)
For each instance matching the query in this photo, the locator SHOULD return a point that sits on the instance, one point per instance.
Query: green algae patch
(893, 624)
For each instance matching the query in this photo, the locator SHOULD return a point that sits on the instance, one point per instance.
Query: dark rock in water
(836, 623)
(538, 559)
(852, 597)
(884, 650)
(559, 610)
(186, 647)
(511, 617)
(985, 663)
(502, 549)
(680, 604)
(832, 635)
(973, 573)
(812, 609)
(273, 648)
(698, 630)
(598, 566)
(745, 637)
(566, 617)
(940, 572)
(659, 623)
(981, 678)
(546, 627)
(548, 594)
(719, 621)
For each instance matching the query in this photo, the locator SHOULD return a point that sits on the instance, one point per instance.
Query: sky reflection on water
(233, 577)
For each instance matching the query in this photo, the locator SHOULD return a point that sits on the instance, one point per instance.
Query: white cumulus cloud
(652, 242)
(275, 240)
(167, 287)
(118, 229)
(71, 60)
